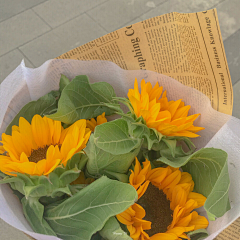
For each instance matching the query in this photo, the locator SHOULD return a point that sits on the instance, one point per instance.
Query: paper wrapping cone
(34, 83)
(169, 33)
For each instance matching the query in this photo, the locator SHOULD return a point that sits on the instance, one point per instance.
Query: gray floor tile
(182, 6)
(13, 7)
(57, 12)
(20, 29)
(115, 13)
(46, 47)
(232, 49)
(62, 39)
(10, 61)
(10, 233)
(236, 100)
(228, 14)
(136, 20)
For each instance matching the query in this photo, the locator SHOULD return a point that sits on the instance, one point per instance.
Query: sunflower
(165, 205)
(170, 118)
(38, 148)
(91, 124)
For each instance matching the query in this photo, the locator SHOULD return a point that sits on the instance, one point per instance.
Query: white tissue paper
(26, 84)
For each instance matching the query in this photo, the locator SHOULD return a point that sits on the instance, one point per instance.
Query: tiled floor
(38, 30)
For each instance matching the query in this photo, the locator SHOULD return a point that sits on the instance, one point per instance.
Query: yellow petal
(15, 128)
(101, 119)
(19, 144)
(57, 132)
(91, 124)
(189, 206)
(2, 150)
(142, 189)
(135, 104)
(139, 211)
(134, 232)
(9, 146)
(199, 222)
(26, 130)
(184, 134)
(156, 92)
(23, 157)
(137, 167)
(178, 231)
(146, 167)
(67, 145)
(179, 197)
(199, 198)
(49, 123)
(185, 178)
(40, 167)
(184, 222)
(177, 214)
(124, 218)
(25, 167)
(181, 112)
(40, 130)
(54, 165)
(174, 106)
(171, 180)
(157, 175)
(164, 236)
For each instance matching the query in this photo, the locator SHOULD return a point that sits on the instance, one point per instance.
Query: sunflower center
(38, 154)
(157, 208)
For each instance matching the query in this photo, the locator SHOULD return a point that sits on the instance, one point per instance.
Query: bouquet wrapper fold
(24, 85)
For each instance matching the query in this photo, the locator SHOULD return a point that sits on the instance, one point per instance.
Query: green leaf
(170, 153)
(33, 211)
(49, 200)
(152, 140)
(43, 106)
(18, 194)
(83, 161)
(35, 191)
(113, 231)
(61, 191)
(75, 188)
(171, 144)
(198, 234)
(100, 161)
(16, 183)
(113, 137)
(85, 213)
(25, 178)
(141, 131)
(64, 81)
(97, 236)
(69, 176)
(9, 179)
(82, 100)
(78, 160)
(59, 170)
(119, 176)
(209, 170)
(211, 217)
(53, 178)
(173, 162)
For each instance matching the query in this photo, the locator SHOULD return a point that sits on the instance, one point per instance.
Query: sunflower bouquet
(136, 174)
